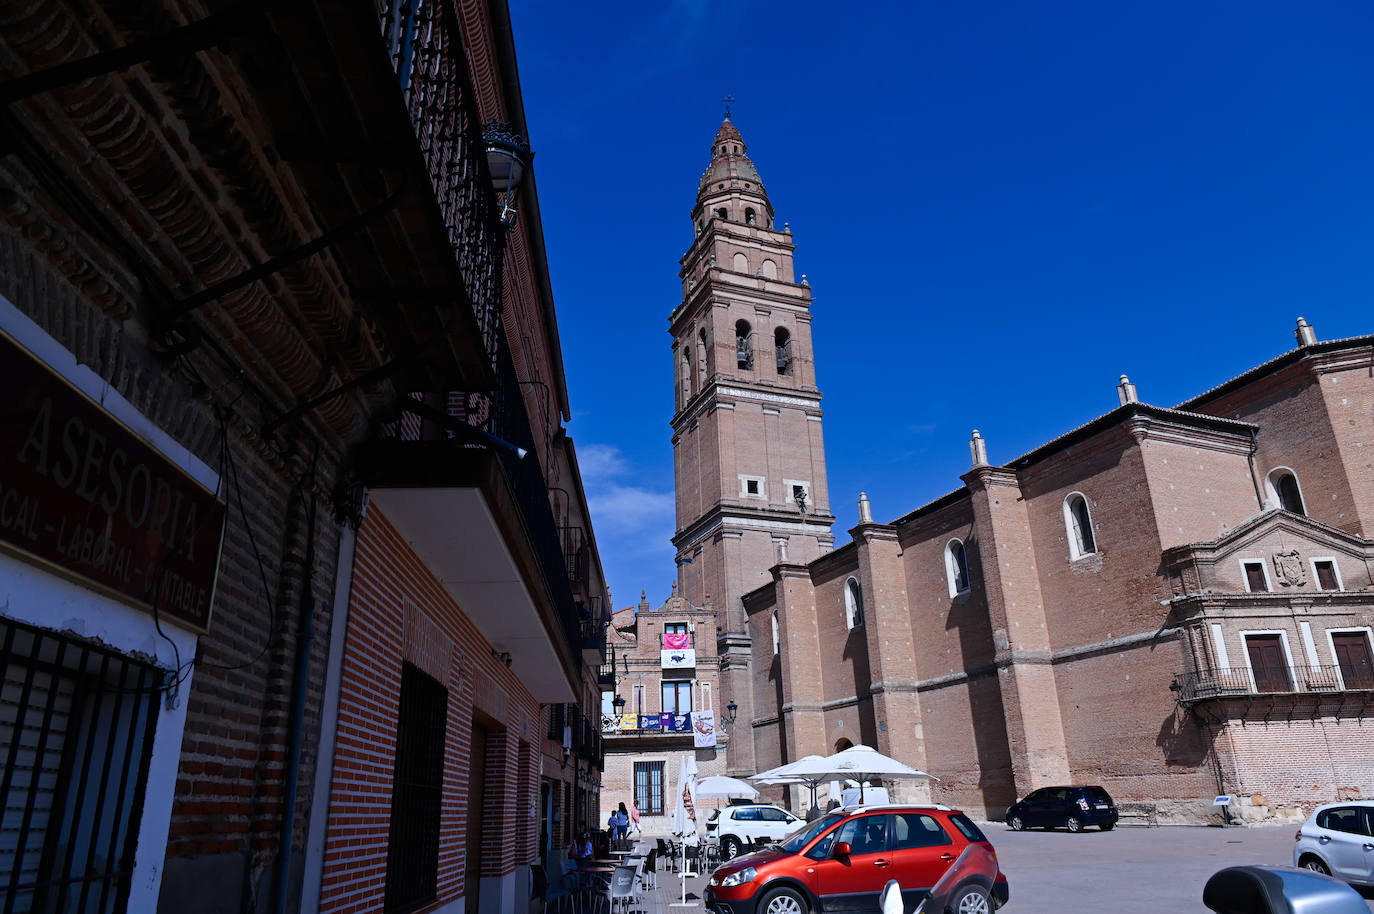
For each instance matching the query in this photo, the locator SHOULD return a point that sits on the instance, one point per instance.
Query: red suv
(841, 861)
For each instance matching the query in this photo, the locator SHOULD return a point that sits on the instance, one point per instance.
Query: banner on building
(676, 641)
(650, 722)
(629, 722)
(704, 729)
(676, 723)
(681, 659)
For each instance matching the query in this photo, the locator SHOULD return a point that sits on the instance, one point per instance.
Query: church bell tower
(748, 454)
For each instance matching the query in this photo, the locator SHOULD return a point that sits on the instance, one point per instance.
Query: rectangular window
(1353, 657)
(1326, 575)
(677, 697)
(417, 793)
(1255, 579)
(649, 788)
(79, 723)
(1267, 663)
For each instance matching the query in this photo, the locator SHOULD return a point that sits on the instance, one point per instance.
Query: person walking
(622, 822)
(634, 820)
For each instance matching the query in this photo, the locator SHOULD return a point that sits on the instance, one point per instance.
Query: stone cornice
(774, 520)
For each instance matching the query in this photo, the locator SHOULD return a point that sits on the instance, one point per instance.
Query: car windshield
(1098, 795)
(794, 842)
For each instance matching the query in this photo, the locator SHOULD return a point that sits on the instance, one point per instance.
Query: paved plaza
(1130, 870)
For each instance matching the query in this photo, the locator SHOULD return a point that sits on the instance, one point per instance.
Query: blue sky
(1000, 209)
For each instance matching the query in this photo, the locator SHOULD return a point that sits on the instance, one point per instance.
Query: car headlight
(745, 875)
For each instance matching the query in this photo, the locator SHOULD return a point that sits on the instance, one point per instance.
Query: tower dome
(732, 176)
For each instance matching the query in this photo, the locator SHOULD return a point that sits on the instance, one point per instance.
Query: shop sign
(82, 494)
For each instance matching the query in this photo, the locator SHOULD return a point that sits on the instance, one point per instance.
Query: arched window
(782, 344)
(748, 215)
(744, 346)
(853, 604)
(777, 640)
(1284, 491)
(956, 568)
(722, 213)
(1079, 525)
(703, 371)
(769, 270)
(741, 263)
(842, 744)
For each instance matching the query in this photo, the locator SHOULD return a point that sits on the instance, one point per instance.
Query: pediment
(1287, 544)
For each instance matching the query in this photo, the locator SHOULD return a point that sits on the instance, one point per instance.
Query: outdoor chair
(648, 877)
(621, 892)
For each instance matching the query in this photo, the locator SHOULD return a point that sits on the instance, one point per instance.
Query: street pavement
(1130, 870)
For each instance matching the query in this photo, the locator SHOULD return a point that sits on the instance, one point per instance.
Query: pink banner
(676, 641)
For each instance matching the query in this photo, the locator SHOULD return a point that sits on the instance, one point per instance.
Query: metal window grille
(412, 864)
(76, 736)
(649, 788)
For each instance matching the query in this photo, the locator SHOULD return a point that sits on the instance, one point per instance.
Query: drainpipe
(1254, 478)
(296, 725)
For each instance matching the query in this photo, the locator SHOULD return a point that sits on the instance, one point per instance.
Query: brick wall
(398, 611)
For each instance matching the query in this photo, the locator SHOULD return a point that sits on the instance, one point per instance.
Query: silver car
(1338, 839)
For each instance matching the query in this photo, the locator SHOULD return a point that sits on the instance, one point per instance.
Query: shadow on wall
(1183, 742)
(968, 614)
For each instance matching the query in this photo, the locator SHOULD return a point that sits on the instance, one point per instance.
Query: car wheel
(1315, 865)
(1074, 824)
(784, 901)
(971, 899)
(729, 848)
(1107, 826)
(1016, 823)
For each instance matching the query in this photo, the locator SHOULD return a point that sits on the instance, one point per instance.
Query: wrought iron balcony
(1202, 685)
(424, 42)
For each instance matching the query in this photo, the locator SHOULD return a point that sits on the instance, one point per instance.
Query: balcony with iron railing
(1239, 682)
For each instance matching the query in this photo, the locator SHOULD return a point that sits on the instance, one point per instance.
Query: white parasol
(859, 763)
(720, 786)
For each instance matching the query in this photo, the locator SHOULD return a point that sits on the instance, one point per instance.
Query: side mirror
(842, 849)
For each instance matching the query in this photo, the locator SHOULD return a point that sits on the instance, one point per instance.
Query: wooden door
(1352, 654)
(1266, 660)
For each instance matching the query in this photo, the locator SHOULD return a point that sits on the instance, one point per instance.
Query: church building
(1172, 602)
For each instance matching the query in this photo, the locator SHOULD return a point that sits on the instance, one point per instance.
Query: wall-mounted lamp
(508, 158)
(728, 718)
(619, 703)
(503, 656)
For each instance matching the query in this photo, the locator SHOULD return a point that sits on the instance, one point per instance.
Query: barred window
(76, 736)
(649, 788)
(412, 864)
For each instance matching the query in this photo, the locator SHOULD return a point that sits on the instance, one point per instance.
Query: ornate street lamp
(508, 158)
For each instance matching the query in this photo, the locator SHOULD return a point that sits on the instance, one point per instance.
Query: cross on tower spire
(728, 100)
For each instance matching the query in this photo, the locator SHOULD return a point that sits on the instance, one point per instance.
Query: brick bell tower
(748, 454)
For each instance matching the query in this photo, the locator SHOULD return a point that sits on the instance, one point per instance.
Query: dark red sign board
(82, 493)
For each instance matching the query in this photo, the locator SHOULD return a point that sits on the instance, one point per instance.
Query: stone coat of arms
(1288, 568)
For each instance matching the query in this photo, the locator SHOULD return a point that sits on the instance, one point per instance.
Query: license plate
(1101, 805)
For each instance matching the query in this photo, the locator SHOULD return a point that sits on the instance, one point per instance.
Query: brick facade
(1128, 661)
